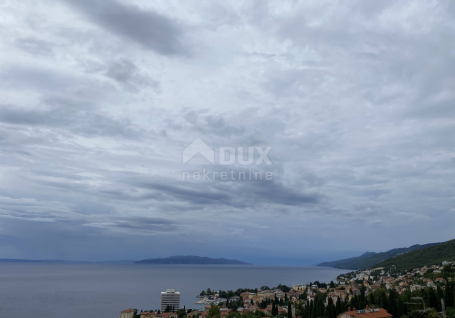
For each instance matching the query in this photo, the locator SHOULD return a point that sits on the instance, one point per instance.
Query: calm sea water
(102, 291)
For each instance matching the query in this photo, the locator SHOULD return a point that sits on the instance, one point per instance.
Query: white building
(170, 297)
(299, 287)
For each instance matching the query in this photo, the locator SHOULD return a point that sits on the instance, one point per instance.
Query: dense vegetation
(231, 293)
(371, 258)
(227, 294)
(427, 256)
(390, 300)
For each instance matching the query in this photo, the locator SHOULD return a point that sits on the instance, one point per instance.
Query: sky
(345, 108)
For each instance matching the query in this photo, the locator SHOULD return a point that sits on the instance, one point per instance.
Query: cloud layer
(100, 98)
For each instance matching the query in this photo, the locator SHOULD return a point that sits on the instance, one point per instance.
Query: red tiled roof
(167, 314)
(128, 310)
(381, 313)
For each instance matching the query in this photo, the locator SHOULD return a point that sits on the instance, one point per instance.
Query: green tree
(313, 310)
(400, 308)
(181, 313)
(393, 295)
(214, 311)
(449, 295)
(233, 314)
(362, 296)
(371, 299)
(432, 298)
(338, 307)
(326, 313)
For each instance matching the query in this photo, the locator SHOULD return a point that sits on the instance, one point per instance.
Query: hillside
(347, 263)
(369, 259)
(197, 260)
(426, 256)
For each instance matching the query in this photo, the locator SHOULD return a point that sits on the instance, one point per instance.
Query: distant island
(187, 260)
(196, 260)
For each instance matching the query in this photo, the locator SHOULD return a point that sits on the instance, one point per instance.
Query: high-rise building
(170, 297)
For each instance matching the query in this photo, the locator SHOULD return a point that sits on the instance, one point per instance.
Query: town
(428, 291)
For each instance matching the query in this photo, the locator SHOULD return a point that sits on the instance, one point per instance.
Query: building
(167, 315)
(170, 297)
(129, 313)
(365, 313)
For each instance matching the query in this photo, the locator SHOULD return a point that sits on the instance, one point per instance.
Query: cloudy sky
(100, 98)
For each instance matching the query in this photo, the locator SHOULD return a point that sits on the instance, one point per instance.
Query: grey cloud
(216, 125)
(56, 85)
(235, 194)
(151, 225)
(294, 82)
(277, 193)
(126, 72)
(354, 99)
(80, 216)
(149, 29)
(34, 46)
(122, 71)
(187, 193)
(77, 119)
(37, 77)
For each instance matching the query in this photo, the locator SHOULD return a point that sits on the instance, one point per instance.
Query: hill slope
(371, 258)
(427, 256)
(191, 260)
(347, 263)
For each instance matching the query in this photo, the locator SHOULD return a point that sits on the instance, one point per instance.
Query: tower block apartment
(170, 297)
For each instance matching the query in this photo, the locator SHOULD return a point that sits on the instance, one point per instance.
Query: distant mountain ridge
(431, 255)
(46, 261)
(58, 261)
(190, 260)
(369, 259)
(167, 260)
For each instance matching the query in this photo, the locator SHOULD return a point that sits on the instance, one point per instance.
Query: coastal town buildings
(348, 289)
(129, 313)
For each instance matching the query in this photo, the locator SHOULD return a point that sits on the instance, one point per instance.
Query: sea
(103, 290)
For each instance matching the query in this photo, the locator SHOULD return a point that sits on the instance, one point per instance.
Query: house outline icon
(198, 146)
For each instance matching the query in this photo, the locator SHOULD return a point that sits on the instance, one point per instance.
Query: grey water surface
(102, 291)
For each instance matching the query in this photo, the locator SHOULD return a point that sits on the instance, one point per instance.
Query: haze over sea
(102, 291)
